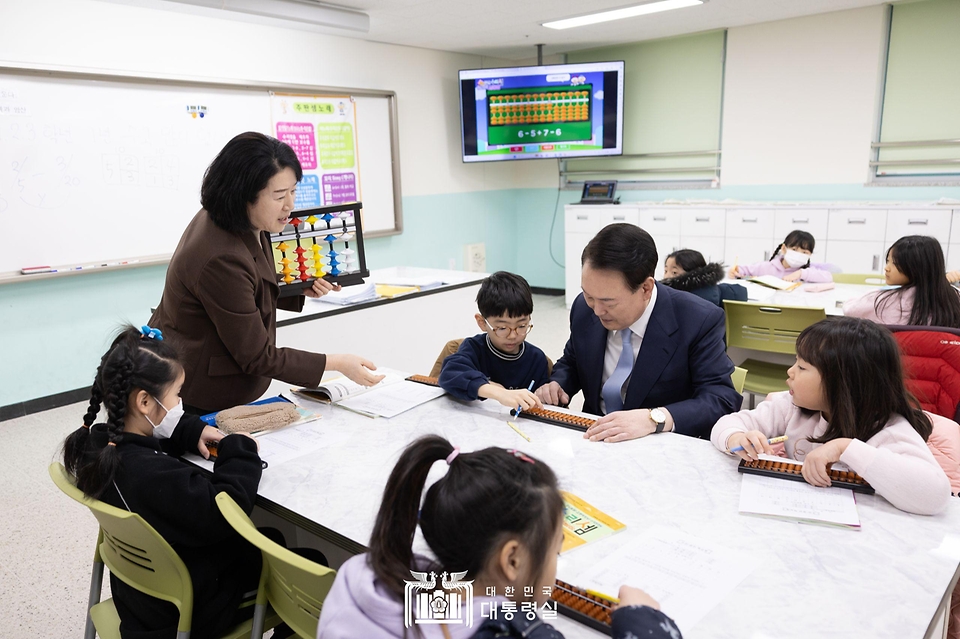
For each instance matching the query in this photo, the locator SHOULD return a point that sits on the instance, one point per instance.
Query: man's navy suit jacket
(682, 365)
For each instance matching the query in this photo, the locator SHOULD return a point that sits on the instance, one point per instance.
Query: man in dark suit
(648, 358)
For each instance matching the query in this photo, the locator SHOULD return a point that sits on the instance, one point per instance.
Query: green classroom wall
(52, 332)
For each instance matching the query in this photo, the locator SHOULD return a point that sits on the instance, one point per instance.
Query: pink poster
(299, 135)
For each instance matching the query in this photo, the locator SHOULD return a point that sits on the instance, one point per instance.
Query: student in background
(498, 363)
(847, 403)
(686, 270)
(790, 262)
(120, 462)
(497, 515)
(923, 296)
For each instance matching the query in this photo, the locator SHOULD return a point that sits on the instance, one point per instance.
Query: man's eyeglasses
(504, 331)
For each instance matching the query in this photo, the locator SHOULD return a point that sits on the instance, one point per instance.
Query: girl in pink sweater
(847, 403)
(923, 296)
(790, 262)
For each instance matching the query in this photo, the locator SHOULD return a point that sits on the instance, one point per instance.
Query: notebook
(774, 282)
(799, 502)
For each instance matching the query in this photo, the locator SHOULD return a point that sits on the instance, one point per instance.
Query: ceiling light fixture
(619, 14)
(299, 11)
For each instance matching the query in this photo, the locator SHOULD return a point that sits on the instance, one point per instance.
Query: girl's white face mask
(795, 259)
(164, 429)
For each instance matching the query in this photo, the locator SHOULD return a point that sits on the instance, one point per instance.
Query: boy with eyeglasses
(498, 363)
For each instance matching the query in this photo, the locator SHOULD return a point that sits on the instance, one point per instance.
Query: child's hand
(208, 436)
(520, 397)
(953, 277)
(630, 596)
(793, 277)
(815, 469)
(753, 441)
(553, 394)
(734, 273)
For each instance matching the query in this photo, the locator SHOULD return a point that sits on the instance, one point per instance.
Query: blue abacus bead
(327, 216)
(334, 270)
(330, 238)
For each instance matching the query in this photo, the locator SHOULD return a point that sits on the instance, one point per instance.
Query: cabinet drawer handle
(582, 217)
(657, 218)
(801, 220)
(856, 220)
(703, 219)
(919, 221)
(876, 263)
(620, 218)
(748, 219)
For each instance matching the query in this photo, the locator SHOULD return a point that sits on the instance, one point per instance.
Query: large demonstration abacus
(790, 470)
(324, 242)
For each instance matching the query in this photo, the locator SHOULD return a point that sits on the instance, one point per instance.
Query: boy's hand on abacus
(518, 397)
(630, 596)
(320, 288)
(207, 436)
(816, 464)
(754, 442)
(552, 393)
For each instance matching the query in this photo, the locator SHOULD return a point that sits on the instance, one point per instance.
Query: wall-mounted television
(553, 111)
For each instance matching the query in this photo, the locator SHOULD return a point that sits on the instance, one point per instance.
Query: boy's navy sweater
(478, 362)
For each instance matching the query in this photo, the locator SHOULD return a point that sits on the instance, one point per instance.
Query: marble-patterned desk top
(886, 580)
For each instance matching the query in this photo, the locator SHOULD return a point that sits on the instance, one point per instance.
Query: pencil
(775, 440)
(519, 432)
(597, 593)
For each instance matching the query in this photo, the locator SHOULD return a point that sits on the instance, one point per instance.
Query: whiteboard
(95, 171)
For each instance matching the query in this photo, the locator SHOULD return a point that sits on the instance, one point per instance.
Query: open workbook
(771, 281)
(392, 396)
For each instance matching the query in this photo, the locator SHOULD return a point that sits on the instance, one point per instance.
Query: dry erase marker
(32, 270)
(519, 432)
(775, 440)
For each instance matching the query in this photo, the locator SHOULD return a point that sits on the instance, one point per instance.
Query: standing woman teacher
(221, 296)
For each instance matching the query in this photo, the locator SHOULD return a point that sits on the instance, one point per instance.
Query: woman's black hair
(132, 363)
(625, 248)
(935, 302)
(485, 499)
(237, 175)
(861, 377)
(796, 239)
(687, 259)
(504, 293)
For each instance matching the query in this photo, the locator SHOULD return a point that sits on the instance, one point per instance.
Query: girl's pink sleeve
(862, 307)
(815, 273)
(770, 418)
(747, 270)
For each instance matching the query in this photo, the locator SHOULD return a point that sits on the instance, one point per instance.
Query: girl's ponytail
(391, 544)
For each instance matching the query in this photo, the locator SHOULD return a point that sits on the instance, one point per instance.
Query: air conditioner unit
(302, 11)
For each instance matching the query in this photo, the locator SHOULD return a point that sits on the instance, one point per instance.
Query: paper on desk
(390, 401)
(687, 575)
(798, 501)
(285, 444)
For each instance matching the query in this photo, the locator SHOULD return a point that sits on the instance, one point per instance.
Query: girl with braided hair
(119, 461)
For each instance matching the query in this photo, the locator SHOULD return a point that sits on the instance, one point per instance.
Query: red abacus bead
(296, 222)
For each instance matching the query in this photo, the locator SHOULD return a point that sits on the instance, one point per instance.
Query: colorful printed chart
(322, 130)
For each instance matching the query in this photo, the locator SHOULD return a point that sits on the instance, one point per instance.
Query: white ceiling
(511, 28)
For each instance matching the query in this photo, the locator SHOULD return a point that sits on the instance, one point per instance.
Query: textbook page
(687, 575)
(339, 388)
(391, 400)
(798, 501)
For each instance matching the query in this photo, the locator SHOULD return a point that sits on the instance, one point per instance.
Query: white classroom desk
(400, 333)
(890, 579)
(831, 301)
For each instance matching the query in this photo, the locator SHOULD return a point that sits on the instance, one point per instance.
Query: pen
(519, 432)
(599, 594)
(775, 440)
(529, 388)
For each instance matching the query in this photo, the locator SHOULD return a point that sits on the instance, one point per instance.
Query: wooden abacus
(556, 418)
(787, 469)
(423, 379)
(581, 606)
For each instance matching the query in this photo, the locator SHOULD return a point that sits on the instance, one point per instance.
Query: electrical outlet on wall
(475, 257)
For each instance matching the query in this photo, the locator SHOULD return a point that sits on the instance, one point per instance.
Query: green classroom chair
(294, 587)
(738, 377)
(769, 329)
(141, 558)
(872, 279)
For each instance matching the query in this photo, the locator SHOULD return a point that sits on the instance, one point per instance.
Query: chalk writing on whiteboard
(44, 184)
(126, 169)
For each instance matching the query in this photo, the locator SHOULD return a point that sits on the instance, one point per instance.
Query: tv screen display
(554, 111)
